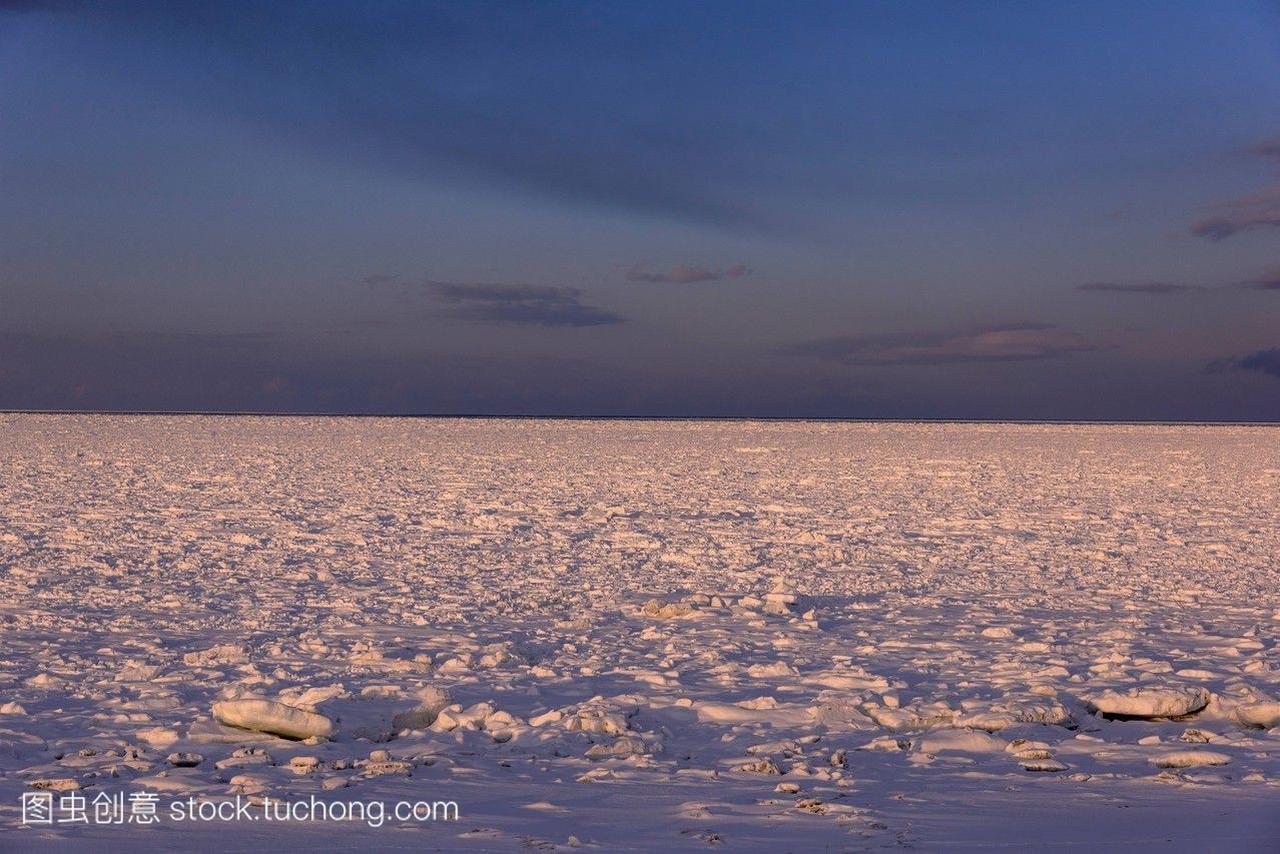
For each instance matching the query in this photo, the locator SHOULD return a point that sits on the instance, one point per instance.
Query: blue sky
(1026, 210)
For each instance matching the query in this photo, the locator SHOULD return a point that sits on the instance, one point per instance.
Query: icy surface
(668, 635)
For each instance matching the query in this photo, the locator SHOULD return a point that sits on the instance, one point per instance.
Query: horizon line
(589, 417)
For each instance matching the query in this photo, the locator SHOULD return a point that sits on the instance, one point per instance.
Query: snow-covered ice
(640, 635)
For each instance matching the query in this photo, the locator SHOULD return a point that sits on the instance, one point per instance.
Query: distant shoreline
(804, 419)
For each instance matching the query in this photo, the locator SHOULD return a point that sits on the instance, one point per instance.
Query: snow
(1151, 702)
(645, 635)
(1189, 758)
(1263, 715)
(273, 718)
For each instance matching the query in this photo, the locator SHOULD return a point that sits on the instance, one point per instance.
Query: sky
(996, 210)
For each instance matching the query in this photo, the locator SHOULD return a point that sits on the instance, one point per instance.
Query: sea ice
(273, 718)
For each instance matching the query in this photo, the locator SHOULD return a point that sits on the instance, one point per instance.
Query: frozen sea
(638, 635)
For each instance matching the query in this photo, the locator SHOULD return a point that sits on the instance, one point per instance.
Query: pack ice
(645, 635)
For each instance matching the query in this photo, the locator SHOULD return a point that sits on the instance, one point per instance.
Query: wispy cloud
(1269, 281)
(1261, 361)
(1139, 288)
(531, 305)
(684, 274)
(1018, 342)
(1253, 212)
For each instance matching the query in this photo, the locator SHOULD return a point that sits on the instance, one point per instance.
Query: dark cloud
(519, 304)
(685, 274)
(1005, 343)
(1270, 148)
(1139, 288)
(1262, 361)
(1268, 282)
(484, 92)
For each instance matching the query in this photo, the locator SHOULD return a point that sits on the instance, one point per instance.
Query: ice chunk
(659, 611)
(959, 740)
(1189, 758)
(1151, 702)
(275, 718)
(431, 700)
(1265, 715)
(185, 760)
